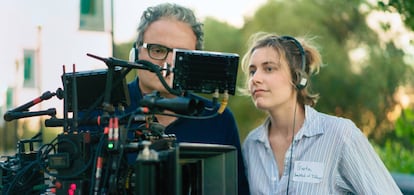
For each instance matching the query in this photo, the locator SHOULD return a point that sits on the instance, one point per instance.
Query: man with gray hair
(163, 28)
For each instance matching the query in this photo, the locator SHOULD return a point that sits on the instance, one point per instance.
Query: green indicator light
(110, 145)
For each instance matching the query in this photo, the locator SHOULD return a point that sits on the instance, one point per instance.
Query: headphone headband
(301, 83)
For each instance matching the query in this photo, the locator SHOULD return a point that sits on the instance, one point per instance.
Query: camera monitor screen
(90, 88)
(205, 71)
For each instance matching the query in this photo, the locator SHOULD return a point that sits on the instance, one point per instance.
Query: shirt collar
(310, 127)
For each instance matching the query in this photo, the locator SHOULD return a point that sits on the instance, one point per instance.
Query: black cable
(291, 149)
(88, 112)
(19, 175)
(157, 70)
(105, 176)
(97, 153)
(42, 156)
(132, 114)
(118, 162)
(34, 167)
(188, 117)
(83, 169)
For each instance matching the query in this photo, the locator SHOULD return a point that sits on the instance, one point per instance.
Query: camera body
(97, 160)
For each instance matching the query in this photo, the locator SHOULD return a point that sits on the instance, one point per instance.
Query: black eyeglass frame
(152, 51)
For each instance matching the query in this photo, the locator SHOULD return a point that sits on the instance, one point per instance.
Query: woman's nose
(256, 77)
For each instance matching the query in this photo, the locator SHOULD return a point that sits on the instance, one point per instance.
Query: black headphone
(133, 53)
(301, 80)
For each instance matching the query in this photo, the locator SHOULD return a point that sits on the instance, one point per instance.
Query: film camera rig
(95, 161)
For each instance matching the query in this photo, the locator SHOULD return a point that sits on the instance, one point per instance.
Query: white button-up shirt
(330, 155)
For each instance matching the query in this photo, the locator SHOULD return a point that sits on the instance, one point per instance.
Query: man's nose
(169, 58)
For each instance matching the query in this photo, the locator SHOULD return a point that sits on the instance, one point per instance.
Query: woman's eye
(251, 72)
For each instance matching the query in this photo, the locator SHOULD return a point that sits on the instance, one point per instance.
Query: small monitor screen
(204, 71)
(90, 88)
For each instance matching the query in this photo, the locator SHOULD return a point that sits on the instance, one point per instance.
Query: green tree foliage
(121, 51)
(395, 156)
(220, 36)
(403, 7)
(404, 128)
(388, 71)
(397, 152)
(361, 90)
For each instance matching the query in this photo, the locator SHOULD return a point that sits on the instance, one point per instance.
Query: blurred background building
(37, 43)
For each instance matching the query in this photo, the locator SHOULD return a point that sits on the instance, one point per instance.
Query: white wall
(50, 27)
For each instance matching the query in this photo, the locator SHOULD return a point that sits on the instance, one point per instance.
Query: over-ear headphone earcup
(301, 81)
(133, 54)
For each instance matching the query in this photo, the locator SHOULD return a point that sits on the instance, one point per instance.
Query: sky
(128, 12)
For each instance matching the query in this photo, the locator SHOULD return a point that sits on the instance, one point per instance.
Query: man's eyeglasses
(156, 51)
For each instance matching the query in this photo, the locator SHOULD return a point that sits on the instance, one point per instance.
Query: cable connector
(224, 102)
